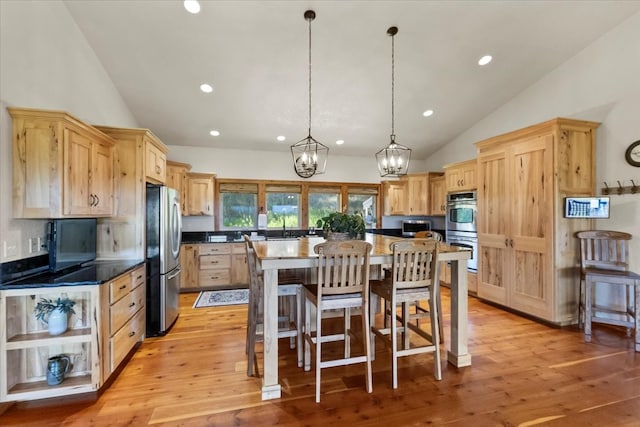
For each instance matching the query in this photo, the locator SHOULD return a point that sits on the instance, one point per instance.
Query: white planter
(57, 322)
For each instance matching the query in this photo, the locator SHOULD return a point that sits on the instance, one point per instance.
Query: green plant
(338, 222)
(46, 306)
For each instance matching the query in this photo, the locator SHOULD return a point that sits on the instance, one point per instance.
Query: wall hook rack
(620, 188)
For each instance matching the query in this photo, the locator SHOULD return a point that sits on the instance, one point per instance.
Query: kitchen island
(284, 254)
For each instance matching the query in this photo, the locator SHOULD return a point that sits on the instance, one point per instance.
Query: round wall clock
(632, 155)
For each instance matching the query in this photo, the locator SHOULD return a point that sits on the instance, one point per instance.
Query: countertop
(95, 273)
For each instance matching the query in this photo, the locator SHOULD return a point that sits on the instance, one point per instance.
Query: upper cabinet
(438, 195)
(395, 195)
(410, 195)
(62, 167)
(155, 159)
(461, 176)
(177, 178)
(200, 193)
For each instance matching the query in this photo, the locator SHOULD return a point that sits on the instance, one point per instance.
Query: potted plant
(55, 313)
(338, 225)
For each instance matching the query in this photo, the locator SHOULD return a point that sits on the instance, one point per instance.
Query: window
(322, 201)
(363, 201)
(238, 206)
(283, 206)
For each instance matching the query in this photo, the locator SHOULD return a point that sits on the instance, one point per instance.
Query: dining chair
(413, 277)
(421, 311)
(289, 318)
(343, 284)
(605, 260)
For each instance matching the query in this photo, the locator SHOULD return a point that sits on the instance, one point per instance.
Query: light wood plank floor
(523, 374)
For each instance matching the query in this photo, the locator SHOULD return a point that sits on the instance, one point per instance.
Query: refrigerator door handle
(176, 227)
(174, 273)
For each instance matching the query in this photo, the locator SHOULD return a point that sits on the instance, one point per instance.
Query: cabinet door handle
(92, 200)
(132, 333)
(123, 287)
(511, 242)
(157, 169)
(97, 200)
(506, 242)
(132, 304)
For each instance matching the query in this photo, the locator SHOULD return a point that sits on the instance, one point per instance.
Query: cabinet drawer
(214, 277)
(208, 262)
(122, 311)
(238, 248)
(119, 288)
(214, 249)
(138, 277)
(126, 338)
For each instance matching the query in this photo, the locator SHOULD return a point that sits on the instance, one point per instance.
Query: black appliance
(72, 242)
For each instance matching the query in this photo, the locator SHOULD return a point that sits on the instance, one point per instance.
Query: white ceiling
(255, 55)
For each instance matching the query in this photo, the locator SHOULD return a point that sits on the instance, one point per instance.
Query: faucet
(284, 227)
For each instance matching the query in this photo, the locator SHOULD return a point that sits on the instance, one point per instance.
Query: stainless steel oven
(468, 240)
(462, 211)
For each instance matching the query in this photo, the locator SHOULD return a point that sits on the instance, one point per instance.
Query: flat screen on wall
(586, 207)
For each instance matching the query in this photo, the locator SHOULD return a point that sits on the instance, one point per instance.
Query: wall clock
(632, 155)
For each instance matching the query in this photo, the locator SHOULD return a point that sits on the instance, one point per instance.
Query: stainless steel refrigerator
(163, 234)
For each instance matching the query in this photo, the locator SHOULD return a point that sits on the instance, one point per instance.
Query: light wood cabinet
(25, 344)
(122, 235)
(177, 178)
(438, 196)
(62, 167)
(395, 197)
(124, 323)
(461, 176)
(200, 193)
(213, 266)
(155, 159)
(417, 194)
(190, 267)
(528, 255)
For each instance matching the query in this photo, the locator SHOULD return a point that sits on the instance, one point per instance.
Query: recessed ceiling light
(206, 88)
(192, 6)
(340, 142)
(428, 113)
(281, 138)
(214, 133)
(485, 60)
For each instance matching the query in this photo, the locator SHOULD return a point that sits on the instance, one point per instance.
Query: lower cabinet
(125, 297)
(108, 321)
(445, 278)
(213, 266)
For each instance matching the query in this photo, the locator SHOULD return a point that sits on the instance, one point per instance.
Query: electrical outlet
(31, 245)
(40, 243)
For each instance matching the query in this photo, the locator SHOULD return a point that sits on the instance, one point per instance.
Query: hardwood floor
(523, 374)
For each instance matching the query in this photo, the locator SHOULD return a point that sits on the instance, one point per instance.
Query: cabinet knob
(131, 334)
(158, 169)
(132, 304)
(123, 287)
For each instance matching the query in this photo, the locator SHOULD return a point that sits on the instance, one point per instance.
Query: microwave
(411, 227)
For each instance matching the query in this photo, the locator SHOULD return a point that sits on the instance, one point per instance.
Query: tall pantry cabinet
(528, 255)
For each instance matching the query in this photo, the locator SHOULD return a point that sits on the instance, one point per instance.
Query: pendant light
(309, 155)
(393, 160)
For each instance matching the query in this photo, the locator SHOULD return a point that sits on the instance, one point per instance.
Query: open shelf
(37, 339)
(71, 385)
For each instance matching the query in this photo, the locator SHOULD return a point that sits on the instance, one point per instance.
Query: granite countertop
(95, 273)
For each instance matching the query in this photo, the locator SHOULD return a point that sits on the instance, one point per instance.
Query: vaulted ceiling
(255, 55)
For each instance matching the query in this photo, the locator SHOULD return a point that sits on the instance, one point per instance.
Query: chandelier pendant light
(309, 155)
(393, 160)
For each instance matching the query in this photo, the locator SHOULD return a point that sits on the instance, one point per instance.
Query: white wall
(45, 62)
(602, 84)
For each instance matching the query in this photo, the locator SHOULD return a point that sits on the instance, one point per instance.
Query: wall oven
(462, 211)
(468, 240)
(461, 224)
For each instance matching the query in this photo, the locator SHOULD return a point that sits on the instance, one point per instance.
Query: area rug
(225, 297)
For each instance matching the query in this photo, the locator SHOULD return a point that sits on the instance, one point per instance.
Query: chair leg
(251, 335)
(347, 336)
(580, 305)
(435, 337)
(299, 317)
(394, 348)
(405, 326)
(587, 309)
(366, 330)
(307, 333)
(292, 314)
(318, 351)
